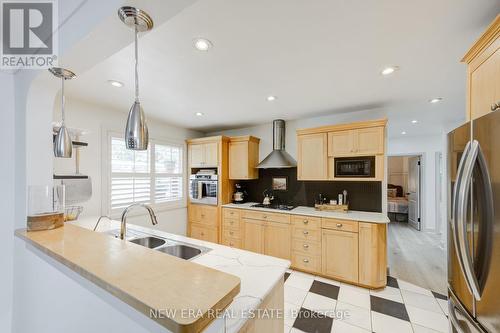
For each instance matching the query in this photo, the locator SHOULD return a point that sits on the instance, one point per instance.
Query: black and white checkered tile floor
(318, 305)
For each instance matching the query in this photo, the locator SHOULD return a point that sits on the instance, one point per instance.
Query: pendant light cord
(62, 101)
(136, 65)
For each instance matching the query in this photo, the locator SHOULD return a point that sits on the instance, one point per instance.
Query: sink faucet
(123, 228)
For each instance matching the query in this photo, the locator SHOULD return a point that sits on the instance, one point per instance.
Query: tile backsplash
(365, 196)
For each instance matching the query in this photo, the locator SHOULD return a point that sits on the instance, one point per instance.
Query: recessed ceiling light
(202, 44)
(414, 121)
(115, 83)
(271, 98)
(389, 70)
(199, 114)
(435, 100)
(403, 133)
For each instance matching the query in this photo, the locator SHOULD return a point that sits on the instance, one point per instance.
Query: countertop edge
(170, 324)
(314, 213)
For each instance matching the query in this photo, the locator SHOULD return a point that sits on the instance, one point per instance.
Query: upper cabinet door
(369, 141)
(312, 159)
(485, 86)
(238, 160)
(341, 143)
(211, 153)
(196, 152)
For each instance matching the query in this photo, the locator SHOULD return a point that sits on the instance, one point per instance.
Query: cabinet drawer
(204, 233)
(306, 234)
(231, 213)
(306, 262)
(307, 222)
(265, 216)
(306, 247)
(233, 224)
(232, 242)
(230, 233)
(341, 225)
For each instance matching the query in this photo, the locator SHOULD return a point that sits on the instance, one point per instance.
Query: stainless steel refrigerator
(474, 225)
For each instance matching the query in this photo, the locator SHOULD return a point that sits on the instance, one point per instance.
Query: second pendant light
(136, 131)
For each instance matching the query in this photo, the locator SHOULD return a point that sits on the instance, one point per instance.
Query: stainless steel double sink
(166, 245)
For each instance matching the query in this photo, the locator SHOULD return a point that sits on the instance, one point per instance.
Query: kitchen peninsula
(180, 295)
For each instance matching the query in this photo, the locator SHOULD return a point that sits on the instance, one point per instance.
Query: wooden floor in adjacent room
(417, 257)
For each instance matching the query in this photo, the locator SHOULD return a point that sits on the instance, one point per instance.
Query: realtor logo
(28, 34)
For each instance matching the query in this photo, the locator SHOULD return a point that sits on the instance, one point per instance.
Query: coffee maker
(240, 195)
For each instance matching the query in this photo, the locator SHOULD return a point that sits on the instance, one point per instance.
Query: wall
(265, 133)
(86, 37)
(7, 177)
(98, 120)
(426, 146)
(364, 196)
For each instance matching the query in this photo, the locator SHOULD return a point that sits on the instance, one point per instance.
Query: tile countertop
(258, 273)
(310, 211)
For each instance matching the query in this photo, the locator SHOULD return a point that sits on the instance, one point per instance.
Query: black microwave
(354, 167)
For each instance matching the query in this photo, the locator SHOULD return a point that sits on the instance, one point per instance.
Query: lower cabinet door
(277, 240)
(340, 255)
(253, 235)
(204, 233)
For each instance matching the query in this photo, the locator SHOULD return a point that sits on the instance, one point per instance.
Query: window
(153, 176)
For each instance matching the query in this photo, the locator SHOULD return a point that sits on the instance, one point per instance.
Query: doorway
(404, 190)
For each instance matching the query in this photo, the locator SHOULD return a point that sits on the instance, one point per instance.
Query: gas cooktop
(274, 206)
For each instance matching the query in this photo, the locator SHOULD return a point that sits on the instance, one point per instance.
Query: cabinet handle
(202, 215)
(203, 234)
(231, 233)
(305, 260)
(495, 106)
(231, 222)
(231, 244)
(265, 216)
(305, 221)
(339, 225)
(305, 232)
(306, 246)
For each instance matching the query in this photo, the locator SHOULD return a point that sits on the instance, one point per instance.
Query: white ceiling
(318, 57)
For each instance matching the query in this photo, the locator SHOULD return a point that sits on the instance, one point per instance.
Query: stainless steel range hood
(278, 158)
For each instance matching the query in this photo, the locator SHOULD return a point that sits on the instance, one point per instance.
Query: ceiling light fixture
(435, 100)
(414, 121)
(199, 114)
(202, 44)
(403, 133)
(389, 70)
(63, 146)
(136, 131)
(271, 98)
(115, 83)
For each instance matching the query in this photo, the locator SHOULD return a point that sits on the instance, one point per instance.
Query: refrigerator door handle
(463, 243)
(454, 206)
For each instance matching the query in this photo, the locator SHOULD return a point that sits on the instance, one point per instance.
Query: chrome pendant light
(136, 132)
(63, 147)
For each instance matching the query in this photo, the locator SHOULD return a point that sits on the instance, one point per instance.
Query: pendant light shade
(63, 146)
(136, 131)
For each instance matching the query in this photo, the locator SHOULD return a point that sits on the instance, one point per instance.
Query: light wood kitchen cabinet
(203, 222)
(253, 235)
(203, 155)
(243, 157)
(318, 147)
(312, 159)
(277, 240)
(341, 143)
(370, 141)
(306, 243)
(340, 254)
(357, 142)
(372, 254)
(266, 233)
(483, 73)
